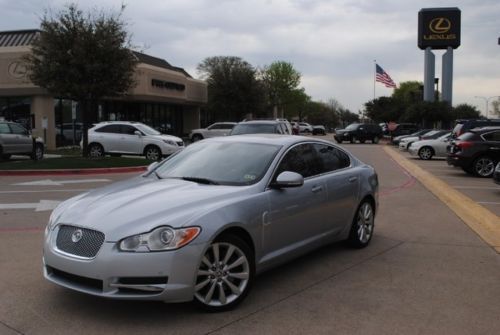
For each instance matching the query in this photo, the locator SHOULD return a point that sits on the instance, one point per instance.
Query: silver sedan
(201, 224)
(427, 149)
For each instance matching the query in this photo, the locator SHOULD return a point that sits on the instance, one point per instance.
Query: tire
(362, 225)
(222, 283)
(375, 140)
(196, 138)
(426, 153)
(152, 153)
(38, 154)
(96, 150)
(483, 167)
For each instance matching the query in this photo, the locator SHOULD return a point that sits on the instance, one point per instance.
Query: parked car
(131, 138)
(405, 143)
(214, 130)
(295, 128)
(361, 132)
(496, 174)
(426, 149)
(397, 139)
(17, 140)
(305, 127)
(262, 127)
(319, 130)
(477, 151)
(404, 129)
(464, 125)
(201, 224)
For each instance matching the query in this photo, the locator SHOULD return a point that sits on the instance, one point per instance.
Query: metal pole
(429, 71)
(447, 76)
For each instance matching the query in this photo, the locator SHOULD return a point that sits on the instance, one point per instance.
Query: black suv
(477, 151)
(464, 125)
(359, 132)
(282, 127)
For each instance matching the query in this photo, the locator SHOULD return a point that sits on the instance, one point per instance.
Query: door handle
(352, 179)
(316, 189)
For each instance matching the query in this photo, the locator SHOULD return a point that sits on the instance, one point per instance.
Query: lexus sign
(439, 28)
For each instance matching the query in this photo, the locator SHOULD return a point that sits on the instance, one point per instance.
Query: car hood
(144, 203)
(411, 138)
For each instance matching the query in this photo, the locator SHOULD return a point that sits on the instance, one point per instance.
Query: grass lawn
(72, 162)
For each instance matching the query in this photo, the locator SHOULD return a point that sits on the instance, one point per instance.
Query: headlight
(169, 142)
(160, 239)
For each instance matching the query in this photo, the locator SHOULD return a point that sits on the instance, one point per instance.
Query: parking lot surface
(426, 272)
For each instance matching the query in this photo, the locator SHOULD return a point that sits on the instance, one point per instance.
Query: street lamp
(487, 102)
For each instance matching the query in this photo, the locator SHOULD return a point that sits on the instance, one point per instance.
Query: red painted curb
(72, 171)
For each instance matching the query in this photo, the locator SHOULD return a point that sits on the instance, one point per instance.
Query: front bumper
(167, 276)
(413, 150)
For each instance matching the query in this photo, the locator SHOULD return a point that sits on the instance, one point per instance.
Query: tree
(83, 57)
(408, 92)
(384, 109)
(347, 117)
(436, 114)
(233, 88)
(280, 79)
(321, 113)
(465, 111)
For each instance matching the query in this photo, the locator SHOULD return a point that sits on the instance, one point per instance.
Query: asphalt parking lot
(426, 272)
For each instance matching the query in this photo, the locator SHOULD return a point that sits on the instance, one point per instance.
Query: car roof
(484, 129)
(276, 139)
(261, 122)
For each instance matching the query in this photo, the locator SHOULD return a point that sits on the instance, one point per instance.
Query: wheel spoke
(215, 249)
(229, 253)
(206, 262)
(240, 275)
(210, 293)
(222, 295)
(202, 285)
(204, 273)
(236, 263)
(232, 287)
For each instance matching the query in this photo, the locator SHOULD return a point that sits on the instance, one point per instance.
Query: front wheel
(375, 140)
(362, 225)
(152, 153)
(96, 150)
(483, 167)
(225, 274)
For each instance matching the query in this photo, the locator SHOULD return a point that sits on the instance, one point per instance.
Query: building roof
(17, 38)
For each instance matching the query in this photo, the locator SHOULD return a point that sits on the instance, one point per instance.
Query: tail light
(463, 145)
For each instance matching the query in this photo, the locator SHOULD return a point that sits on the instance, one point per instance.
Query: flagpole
(374, 76)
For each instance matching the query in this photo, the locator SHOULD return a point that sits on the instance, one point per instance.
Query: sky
(332, 43)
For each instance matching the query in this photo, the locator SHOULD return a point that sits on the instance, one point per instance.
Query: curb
(482, 221)
(72, 171)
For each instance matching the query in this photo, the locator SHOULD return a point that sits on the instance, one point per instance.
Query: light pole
(487, 102)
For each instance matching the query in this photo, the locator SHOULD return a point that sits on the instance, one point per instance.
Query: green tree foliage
(347, 117)
(83, 57)
(280, 79)
(321, 113)
(233, 88)
(384, 109)
(296, 102)
(436, 114)
(465, 111)
(408, 92)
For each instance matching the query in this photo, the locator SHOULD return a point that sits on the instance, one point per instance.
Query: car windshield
(352, 126)
(254, 128)
(226, 163)
(445, 136)
(147, 129)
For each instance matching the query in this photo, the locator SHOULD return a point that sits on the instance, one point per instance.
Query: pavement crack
(316, 283)
(11, 328)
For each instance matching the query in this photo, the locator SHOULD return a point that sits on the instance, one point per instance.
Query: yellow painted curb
(485, 223)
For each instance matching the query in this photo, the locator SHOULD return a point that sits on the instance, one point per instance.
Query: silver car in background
(214, 130)
(427, 149)
(201, 224)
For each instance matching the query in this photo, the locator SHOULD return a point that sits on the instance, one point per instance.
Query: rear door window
(301, 159)
(17, 129)
(493, 136)
(331, 158)
(4, 128)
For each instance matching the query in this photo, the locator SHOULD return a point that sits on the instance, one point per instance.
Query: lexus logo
(440, 25)
(17, 70)
(77, 235)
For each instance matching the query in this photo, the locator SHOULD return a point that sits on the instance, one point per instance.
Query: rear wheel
(425, 153)
(483, 167)
(225, 274)
(362, 225)
(38, 153)
(196, 137)
(96, 150)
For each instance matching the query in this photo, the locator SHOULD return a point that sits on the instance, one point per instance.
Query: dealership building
(165, 97)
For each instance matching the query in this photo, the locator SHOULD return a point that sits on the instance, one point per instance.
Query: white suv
(131, 138)
(214, 130)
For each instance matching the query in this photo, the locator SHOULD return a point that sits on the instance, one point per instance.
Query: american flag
(383, 77)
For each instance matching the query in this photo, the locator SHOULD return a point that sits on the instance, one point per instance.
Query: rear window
(241, 129)
(466, 137)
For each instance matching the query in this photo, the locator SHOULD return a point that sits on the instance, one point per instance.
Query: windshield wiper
(200, 180)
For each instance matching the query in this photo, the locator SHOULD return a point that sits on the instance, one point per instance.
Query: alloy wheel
(153, 153)
(96, 151)
(38, 152)
(364, 223)
(223, 275)
(425, 153)
(484, 167)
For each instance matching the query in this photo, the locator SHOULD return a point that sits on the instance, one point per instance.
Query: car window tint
(4, 128)
(17, 129)
(128, 130)
(494, 136)
(215, 127)
(301, 159)
(111, 128)
(227, 126)
(331, 157)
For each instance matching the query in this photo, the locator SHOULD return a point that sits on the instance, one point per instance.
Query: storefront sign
(439, 28)
(169, 85)
(17, 70)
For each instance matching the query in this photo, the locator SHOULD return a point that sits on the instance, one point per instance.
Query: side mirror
(152, 166)
(288, 179)
(138, 133)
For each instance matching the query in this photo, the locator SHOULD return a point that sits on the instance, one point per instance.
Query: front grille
(87, 246)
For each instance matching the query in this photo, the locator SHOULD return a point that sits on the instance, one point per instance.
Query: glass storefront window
(17, 109)
(68, 122)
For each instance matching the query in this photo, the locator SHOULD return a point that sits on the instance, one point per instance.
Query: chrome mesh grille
(88, 246)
